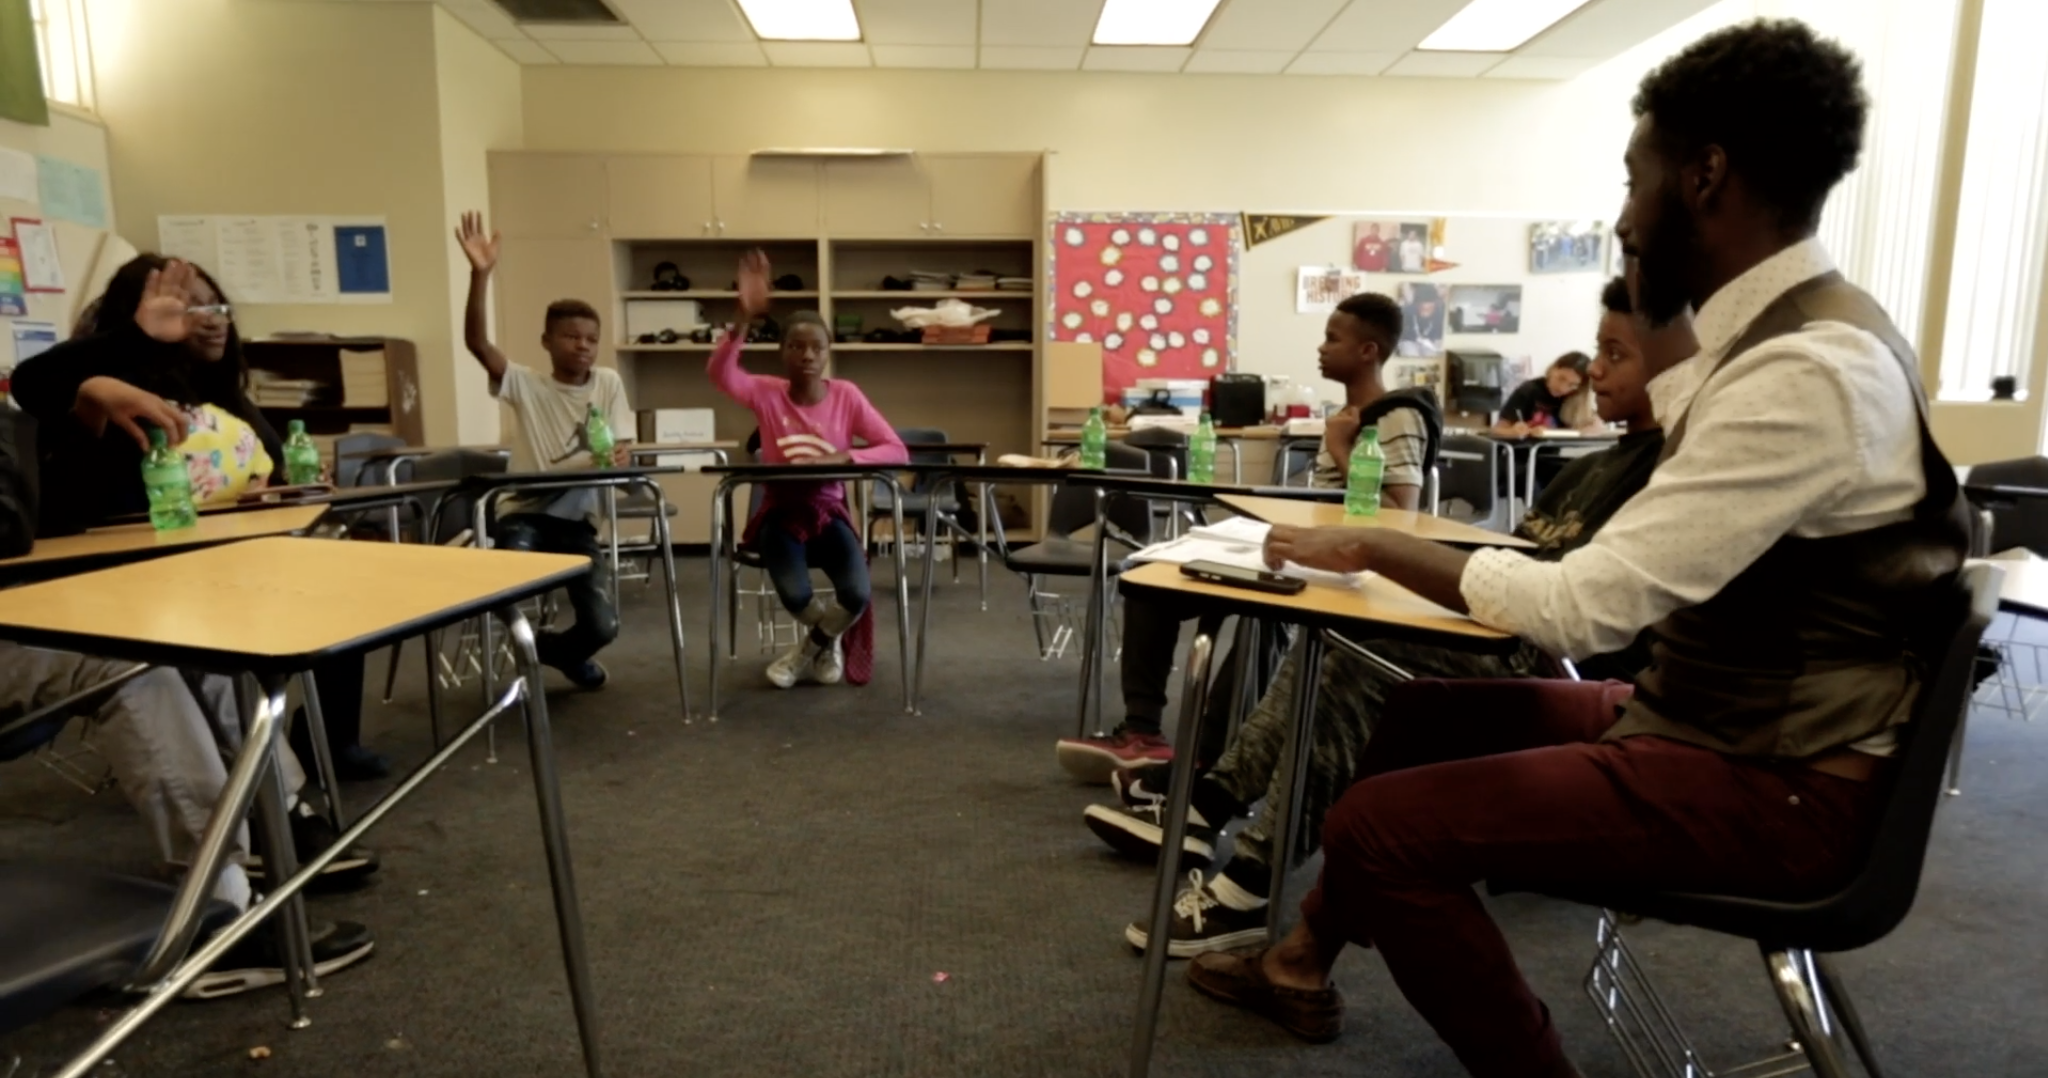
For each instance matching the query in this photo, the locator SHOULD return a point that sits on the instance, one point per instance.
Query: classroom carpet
(819, 884)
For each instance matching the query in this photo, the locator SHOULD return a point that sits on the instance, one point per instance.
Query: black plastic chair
(1060, 554)
(1469, 471)
(2020, 522)
(1166, 452)
(922, 497)
(1295, 456)
(1796, 937)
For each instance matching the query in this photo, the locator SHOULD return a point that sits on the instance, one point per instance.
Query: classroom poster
(1158, 291)
(13, 286)
(70, 191)
(285, 258)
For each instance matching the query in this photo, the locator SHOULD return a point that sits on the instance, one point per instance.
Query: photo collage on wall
(1158, 291)
(1568, 247)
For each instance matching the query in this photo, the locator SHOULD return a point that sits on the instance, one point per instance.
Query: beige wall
(478, 90)
(249, 106)
(81, 142)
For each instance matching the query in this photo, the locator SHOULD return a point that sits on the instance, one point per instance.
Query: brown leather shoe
(1237, 977)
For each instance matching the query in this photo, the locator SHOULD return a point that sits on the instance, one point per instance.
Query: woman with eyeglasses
(161, 350)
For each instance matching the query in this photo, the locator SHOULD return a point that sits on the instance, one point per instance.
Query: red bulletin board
(1158, 291)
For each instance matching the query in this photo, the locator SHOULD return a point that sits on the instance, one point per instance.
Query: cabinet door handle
(707, 228)
(721, 228)
(938, 226)
(924, 226)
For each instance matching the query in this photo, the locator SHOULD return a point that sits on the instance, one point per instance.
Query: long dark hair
(224, 382)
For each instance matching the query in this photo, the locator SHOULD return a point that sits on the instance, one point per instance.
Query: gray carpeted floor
(778, 894)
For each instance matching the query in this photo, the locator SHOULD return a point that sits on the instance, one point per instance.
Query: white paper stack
(362, 380)
(1239, 542)
(273, 391)
(1013, 284)
(930, 281)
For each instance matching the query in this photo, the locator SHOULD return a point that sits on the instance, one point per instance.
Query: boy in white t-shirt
(551, 409)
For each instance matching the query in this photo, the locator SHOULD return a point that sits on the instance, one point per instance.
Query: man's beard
(1664, 262)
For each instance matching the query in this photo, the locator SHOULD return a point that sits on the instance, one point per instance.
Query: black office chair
(1166, 453)
(1469, 472)
(1060, 554)
(1294, 458)
(1796, 937)
(2022, 522)
(922, 498)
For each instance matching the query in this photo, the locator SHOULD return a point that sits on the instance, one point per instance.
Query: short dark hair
(1380, 315)
(1615, 297)
(1786, 106)
(1577, 361)
(806, 318)
(569, 308)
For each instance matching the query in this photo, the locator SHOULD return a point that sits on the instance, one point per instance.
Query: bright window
(64, 49)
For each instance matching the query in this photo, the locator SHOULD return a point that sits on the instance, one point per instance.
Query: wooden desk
(273, 607)
(1379, 605)
(130, 542)
(2025, 587)
(1307, 514)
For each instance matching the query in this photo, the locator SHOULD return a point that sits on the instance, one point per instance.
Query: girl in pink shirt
(805, 418)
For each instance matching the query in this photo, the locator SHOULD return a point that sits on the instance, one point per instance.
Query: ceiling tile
(1606, 28)
(711, 53)
(817, 54)
(1542, 67)
(917, 22)
(686, 20)
(1342, 63)
(540, 31)
(923, 55)
(1030, 58)
(1038, 22)
(485, 18)
(1234, 62)
(1135, 58)
(1385, 25)
(1245, 25)
(527, 51)
(1446, 65)
(605, 52)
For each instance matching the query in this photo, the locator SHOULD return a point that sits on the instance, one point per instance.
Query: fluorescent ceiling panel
(1498, 25)
(802, 20)
(1152, 22)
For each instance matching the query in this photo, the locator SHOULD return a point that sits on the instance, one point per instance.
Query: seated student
(1787, 551)
(168, 739)
(1358, 339)
(805, 418)
(163, 349)
(552, 410)
(1229, 910)
(1556, 401)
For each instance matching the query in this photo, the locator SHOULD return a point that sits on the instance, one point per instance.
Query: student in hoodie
(1229, 910)
(162, 350)
(1358, 338)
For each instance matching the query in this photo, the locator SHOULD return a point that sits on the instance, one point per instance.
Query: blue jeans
(836, 551)
(597, 622)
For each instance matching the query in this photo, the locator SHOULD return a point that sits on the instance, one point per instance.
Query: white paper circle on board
(1149, 284)
(1175, 339)
(1120, 237)
(1113, 278)
(1169, 263)
(1084, 338)
(1147, 358)
(1099, 308)
(1148, 323)
(1147, 237)
(1170, 286)
(1124, 320)
(1212, 307)
(1163, 305)
(1171, 243)
(1199, 237)
(1201, 334)
(1071, 320)
(1204, 263)
(1210, 358)
(1112, 255)
(1113, 342)
(1082, 289)
(1075, 237)
(1198, 281)
(1158, 342)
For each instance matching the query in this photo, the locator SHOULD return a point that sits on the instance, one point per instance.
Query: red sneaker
(1094, 759)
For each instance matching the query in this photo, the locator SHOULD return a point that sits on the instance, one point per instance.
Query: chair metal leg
(1805, 1009)
(721, 509)
(675, 602)
(1300, 746)
(981, 539)
(903, 599)
(1246, 644)
(433, 656)
(1194, 693)
(1092, 633)
(280, 856)
(391, 669)
(1837, 996)
(1953, 781)
(323, 753)
(924, 604)
(554, 831)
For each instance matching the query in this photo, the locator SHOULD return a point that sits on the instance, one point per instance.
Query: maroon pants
(1467, 781)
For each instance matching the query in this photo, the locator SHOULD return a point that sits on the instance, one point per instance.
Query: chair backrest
(349, 450)
(912, 438)
(457, 509)
(1881, 895)
(1295, 456)
(1073, 507)
(1469, 470)
(1167, 448)
(2023, 522)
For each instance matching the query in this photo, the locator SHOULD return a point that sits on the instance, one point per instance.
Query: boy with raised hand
(552, 409)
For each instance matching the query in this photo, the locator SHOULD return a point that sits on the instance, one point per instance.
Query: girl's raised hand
(165, 295)
(753, 286)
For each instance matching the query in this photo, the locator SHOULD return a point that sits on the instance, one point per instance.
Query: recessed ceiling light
(1498, 25)
(802, 20)
(1153, 22)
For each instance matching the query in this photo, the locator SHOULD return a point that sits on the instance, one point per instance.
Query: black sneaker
(590, 674)
(1140, 788)
(1202, 923)
(255, 963)
(310, 835)
(1138, 832)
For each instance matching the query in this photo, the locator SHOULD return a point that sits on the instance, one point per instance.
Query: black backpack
(1421, 399)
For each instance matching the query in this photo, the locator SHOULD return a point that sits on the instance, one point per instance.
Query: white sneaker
(791, 667)
(830, 665)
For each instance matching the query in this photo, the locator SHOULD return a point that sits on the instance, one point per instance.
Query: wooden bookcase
(595, 226)
(343, 407)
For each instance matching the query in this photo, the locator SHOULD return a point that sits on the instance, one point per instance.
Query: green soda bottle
(1202, 452)
(1368, 464)
(598, 432)
(301, 456)
(168, 484)
(1094, 440)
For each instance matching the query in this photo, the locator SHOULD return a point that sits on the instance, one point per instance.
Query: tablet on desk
(1233, 576)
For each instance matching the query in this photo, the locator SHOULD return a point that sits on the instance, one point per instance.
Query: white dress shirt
(1813, 434)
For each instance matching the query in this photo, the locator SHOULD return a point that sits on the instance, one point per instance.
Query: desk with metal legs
(1377, 608)
(142, 612)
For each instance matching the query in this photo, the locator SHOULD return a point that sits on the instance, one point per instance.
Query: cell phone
(1231, 576)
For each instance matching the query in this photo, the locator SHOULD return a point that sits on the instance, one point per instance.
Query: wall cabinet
(660, 196)
(548, 195)
(972, 196)
(732, 196)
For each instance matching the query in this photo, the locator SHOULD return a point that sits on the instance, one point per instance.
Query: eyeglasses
(217, 310)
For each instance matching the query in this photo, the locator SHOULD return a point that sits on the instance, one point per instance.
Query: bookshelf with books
(337, 385)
